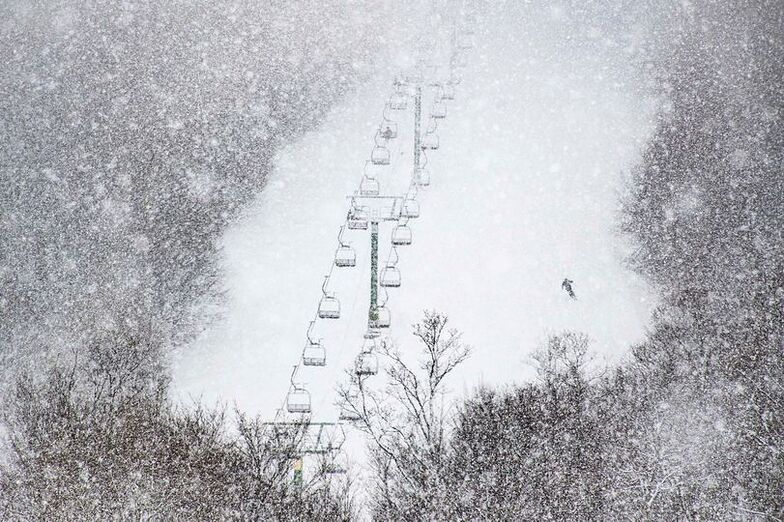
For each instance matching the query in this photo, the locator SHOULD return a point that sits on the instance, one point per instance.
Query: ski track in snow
(524, 193)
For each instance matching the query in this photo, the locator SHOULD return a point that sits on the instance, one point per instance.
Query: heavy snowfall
(367, 260)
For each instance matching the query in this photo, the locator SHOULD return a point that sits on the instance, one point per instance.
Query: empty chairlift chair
(448, 92)
(345, 256)
(410, 209)
(298, 400)
(369, 186)
(314, 354)
(430, 141)
(380, 155)
(422, 177)
(398, 101)
(390, 277)
(367, 362)
(401, 235)
(329, 306)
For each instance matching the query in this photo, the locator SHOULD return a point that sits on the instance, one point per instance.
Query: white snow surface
(524, 193)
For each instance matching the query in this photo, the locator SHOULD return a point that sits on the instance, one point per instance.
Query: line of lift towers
(367, 208)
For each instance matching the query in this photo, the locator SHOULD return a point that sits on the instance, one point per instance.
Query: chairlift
(298, 400)
(410, 208)
(369, 186)
(357, 218)
(448, 91)
(401, 235)
(380, 155)
(329, 306)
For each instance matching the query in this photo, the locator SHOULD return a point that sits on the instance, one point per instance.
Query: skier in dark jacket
(567, 285)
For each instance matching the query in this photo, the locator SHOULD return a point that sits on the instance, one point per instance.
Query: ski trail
(524, 193)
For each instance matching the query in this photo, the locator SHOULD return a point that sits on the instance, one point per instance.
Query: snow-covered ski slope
(524, 193)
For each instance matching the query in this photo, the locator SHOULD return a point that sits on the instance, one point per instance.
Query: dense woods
(136, 161)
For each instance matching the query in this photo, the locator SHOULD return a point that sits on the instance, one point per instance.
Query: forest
(132, 138)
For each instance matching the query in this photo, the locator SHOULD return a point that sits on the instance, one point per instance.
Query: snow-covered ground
(524, 193)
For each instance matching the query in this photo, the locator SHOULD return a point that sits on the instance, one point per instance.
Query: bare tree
(405, 419)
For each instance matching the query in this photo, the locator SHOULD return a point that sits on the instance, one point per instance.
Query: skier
(567, 285)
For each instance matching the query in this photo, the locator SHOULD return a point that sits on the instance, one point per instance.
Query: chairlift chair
(345, 256)
(390, 277)
(369, 186)
(430, 141)
(380, 155)
(410, 208)
(298, 400)
(422, 177)
(398, 101)
(448, 91)
(401, 235)
(388, 130)
(366, 364)
(329, 306)
(382, 318)
(314, 354)
(439, 110)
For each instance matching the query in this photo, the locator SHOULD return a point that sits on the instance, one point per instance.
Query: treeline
(97, 439)
(131, 133)
(691, 427)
